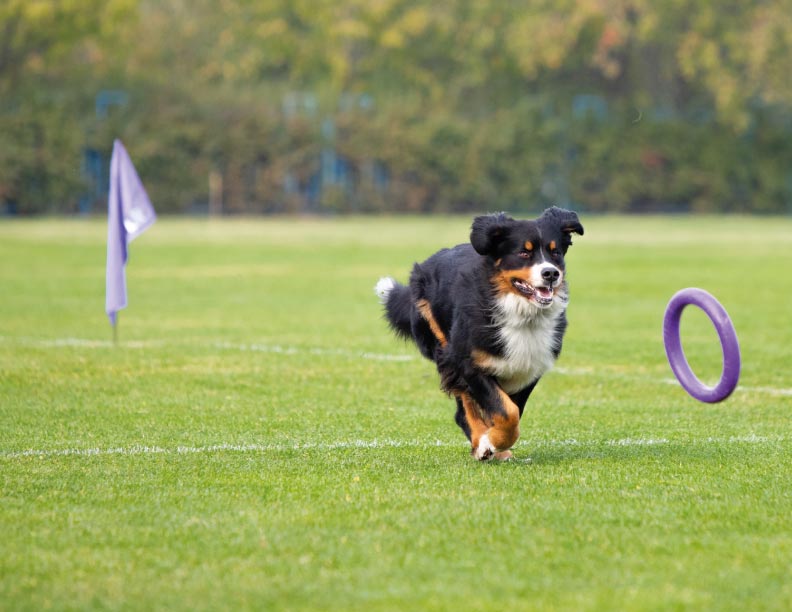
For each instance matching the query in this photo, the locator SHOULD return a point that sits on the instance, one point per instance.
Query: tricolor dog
(491, 314)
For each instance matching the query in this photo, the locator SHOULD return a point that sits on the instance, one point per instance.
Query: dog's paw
(484, 451)
(503, 455)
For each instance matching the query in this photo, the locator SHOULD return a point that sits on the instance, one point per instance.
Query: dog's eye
(524, 254)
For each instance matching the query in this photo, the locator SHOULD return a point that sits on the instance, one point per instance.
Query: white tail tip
(383, 288)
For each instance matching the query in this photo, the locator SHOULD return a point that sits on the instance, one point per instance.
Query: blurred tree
(404, 104)
(39, 34)
(47, 49)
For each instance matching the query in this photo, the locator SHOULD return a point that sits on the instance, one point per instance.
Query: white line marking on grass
(80, 342)
(138, 449)
(295, 350)
(777, 391)
(260, 348)
(767, 390)
(638, 442)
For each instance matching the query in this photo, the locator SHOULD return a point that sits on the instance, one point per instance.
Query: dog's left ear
(488, 231)
(566, 221)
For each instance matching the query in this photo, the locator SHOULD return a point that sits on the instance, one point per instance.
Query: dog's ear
(488, 231)
(565, 221)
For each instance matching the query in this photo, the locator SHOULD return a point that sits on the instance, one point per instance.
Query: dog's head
(527, 256)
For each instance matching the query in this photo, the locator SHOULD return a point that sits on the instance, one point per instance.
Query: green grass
(260, 441)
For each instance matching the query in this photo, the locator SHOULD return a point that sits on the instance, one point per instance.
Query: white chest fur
(529, 341)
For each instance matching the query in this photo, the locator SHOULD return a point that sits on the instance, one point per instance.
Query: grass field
(258, 440)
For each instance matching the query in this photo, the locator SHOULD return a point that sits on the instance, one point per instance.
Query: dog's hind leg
(476, 426)
(461, 418)
(426, 312)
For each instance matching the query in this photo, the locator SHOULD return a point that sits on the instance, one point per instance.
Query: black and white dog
(491, 315)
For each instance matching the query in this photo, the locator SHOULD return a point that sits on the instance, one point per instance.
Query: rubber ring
(728, 339)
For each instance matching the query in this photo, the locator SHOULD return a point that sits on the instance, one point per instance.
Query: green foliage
(263, 442)
(469, 105)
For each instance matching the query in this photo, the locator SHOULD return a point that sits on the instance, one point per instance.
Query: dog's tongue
(544, 292)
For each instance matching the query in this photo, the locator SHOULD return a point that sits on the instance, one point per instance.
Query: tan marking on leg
(475, 419)
(425, 309)
(506, 428)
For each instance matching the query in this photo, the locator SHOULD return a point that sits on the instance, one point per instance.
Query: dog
(491, 315)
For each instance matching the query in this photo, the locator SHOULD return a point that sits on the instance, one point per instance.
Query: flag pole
(115, 330)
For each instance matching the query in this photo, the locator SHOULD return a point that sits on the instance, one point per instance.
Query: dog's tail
(398, 305)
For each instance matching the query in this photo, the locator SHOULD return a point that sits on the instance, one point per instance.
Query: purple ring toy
(728, 339)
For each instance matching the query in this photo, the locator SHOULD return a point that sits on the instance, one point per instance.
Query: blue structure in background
(585, 106)
(335, 171)
(107, 98)
(94, 167)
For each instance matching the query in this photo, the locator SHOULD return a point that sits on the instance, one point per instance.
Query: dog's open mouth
(543, 296)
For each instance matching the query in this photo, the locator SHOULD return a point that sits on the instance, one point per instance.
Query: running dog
(491, 315)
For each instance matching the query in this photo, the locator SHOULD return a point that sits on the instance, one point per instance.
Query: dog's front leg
(493, 417)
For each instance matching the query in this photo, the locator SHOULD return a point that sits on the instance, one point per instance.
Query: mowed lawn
(259, 440)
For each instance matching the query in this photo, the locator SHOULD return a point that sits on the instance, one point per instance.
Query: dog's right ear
(488, 231)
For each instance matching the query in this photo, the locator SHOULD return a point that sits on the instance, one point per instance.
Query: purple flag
(129, 214)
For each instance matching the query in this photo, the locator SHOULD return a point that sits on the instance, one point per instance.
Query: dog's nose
(550, 275)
